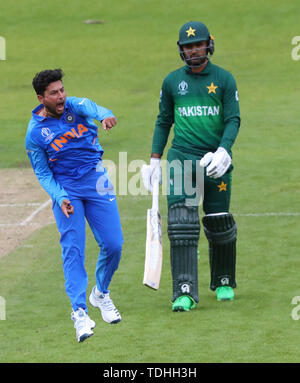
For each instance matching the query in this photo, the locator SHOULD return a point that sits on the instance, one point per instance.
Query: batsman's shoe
(225, 293)
(183, 303)
(109, 312)
(83, 324)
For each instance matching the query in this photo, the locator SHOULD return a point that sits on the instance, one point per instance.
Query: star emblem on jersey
(222, 186)
(190, 32)
(212, 88)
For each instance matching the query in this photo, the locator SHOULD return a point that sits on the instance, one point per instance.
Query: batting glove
(150, 172)
(217, 163)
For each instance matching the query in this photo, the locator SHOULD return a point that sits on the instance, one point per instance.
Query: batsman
(201, 100)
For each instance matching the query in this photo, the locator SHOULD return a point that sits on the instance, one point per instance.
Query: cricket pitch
(23, 207)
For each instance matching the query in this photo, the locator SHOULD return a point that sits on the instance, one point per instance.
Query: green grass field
(120, 64)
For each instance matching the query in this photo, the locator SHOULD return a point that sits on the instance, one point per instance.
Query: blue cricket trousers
(94, 200)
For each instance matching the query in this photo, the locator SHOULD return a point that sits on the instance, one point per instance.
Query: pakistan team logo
(182, 88)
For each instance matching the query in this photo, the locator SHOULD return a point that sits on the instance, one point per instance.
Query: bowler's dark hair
(43, 79)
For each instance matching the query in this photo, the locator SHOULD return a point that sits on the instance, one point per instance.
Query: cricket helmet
(194, 32)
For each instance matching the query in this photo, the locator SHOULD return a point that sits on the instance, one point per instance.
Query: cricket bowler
(201, 100)
(63, 147)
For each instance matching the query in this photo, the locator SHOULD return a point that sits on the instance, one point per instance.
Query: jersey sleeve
(164, 121)
(87, 108)
(39, 162)
(231, 113)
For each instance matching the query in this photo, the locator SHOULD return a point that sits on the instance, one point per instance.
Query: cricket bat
(154, 255)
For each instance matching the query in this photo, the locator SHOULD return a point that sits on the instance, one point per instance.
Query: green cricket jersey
(204, 108)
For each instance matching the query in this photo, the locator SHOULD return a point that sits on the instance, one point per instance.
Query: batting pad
(184, 232)
(221, 232)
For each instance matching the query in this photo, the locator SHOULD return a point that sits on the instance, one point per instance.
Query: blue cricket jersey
(65, 148)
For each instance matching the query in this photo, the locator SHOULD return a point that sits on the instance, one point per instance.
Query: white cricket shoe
(83, 324)
(109, 312)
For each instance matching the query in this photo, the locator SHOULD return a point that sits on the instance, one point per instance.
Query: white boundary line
(45, 204)
(283, 214)
(271, 214)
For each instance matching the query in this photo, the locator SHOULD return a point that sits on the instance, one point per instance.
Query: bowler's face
(54, 99)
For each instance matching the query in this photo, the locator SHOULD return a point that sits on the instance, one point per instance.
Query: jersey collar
(35, 114)
(205, 71)
(36, 110)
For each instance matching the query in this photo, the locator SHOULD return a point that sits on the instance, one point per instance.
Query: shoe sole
(84, 337)
(114, 321)
(224, 299)
(180, 309)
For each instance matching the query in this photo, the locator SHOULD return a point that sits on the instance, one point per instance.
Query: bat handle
(155, 194)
